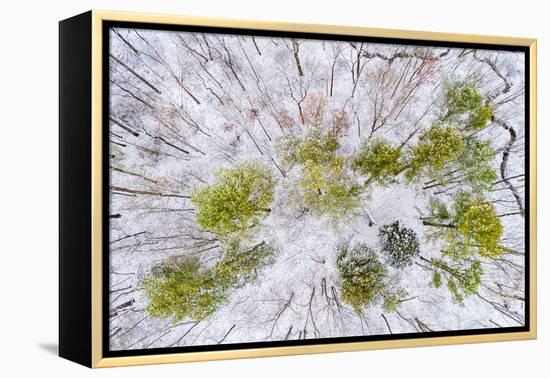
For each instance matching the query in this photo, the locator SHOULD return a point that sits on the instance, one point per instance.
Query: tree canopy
(362, 274)
(241, 265)
(465, 105)
(379, 161)
(326, 185)
(182, 289)
(470, 226)
(474, 165)
(237, 201)
(436, 147)
(399, 244)
(462, 277)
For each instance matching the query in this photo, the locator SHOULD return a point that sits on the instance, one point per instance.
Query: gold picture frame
(94, 335)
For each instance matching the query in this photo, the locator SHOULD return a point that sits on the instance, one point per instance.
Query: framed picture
(236, 189)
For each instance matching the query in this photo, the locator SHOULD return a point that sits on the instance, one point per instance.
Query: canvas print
(286, 188)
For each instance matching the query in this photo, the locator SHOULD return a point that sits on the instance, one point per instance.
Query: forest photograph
(268, 188)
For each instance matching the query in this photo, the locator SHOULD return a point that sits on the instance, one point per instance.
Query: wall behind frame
(30, 175)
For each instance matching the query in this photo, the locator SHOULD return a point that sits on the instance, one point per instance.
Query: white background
(29, 188)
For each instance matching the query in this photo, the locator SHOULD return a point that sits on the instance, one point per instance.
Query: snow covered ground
(183, 104)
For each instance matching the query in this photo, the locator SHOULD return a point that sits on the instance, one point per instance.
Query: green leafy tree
(439, 212)
(444, 154)
(436, 148)
(399, 244)
(379, 161)
(465, 105)
(240, 266)
(462, 278)
(313, 148)
(326, 187)
(180, 290)
(392, 299)
(327, 191)
(471, 226)
(471, 168)
(474, 165)
(237, 201)
(478, 224)
(362, 275)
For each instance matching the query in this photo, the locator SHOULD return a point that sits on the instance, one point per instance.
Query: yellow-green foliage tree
(474, 165)
(436, 148)
(462, 277)
(237, 201)
(445, 152)
(325, 183)
(362, 275)
(379, 162)
(465, 106)
(469, 227)
(472, 168)
(183, 289)
(241, 265)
